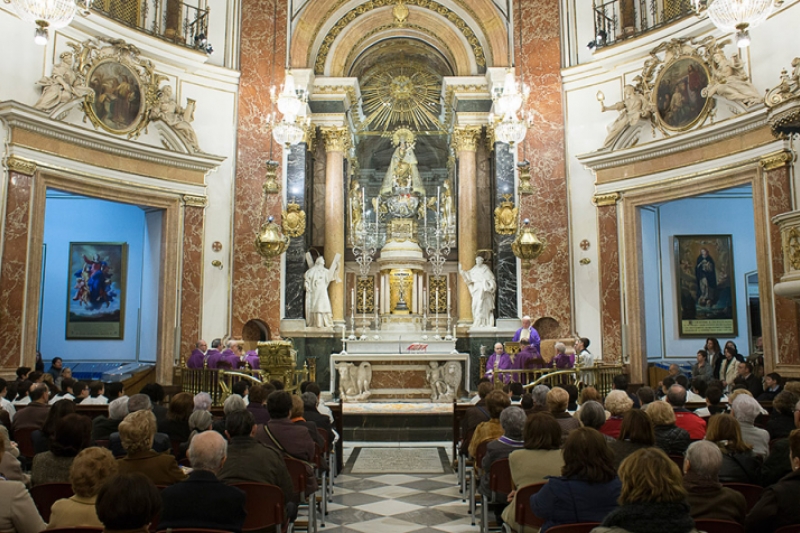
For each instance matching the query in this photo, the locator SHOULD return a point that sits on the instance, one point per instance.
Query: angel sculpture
(63, 85)
(729, 81)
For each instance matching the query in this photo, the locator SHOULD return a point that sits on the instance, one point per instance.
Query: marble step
(381, 427)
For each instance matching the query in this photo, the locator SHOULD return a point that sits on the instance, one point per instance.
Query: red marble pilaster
(14, 268)
(787, 317)
(192, 280)
(537, 50)
(610, 296)
(256, 286)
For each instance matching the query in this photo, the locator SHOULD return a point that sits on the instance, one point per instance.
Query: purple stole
(196, 359)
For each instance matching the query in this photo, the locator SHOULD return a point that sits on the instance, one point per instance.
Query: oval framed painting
(118, 104)
(680, 103)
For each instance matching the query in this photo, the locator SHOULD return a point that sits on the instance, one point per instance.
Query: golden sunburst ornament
(401, 93)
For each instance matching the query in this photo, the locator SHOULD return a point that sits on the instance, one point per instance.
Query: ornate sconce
(270, 240)
(294, 220)
(505, 217)
(525, 185)
(527, 245)
(272, 185)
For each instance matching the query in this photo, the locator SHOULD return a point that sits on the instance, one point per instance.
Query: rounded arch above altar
(475, 32)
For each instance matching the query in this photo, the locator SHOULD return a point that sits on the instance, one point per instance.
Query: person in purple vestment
(526, 359)
(213, 357)
(503, 362)
(253, 360)
(529, 333)
(198, 356)
(562, 360)
(229, 354)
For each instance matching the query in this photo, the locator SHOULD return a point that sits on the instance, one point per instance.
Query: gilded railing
(600, 376)
(179, 22)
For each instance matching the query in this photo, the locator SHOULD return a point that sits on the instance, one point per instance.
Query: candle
(364, 299)
(448, 300)
(353, 299)
(438, 203)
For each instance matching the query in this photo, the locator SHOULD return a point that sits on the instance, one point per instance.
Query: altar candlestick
(448, 301)
(364, 299)
(353, 299)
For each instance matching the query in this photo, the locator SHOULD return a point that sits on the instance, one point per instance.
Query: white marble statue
(482, 287)
(633, 108)
(63, 85)
(177, 117)
(318, 304)
(443, 380)
(354, 382)
(729, 80)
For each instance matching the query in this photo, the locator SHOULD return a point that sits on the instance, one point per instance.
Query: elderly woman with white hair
(746, 409)
(707, 498)
(593, 415)
(202, 401)
(232, 403)
(617, 403)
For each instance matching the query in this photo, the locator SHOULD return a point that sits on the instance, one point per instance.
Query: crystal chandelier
(737, 15)
(290, 130)
(46, 14)
(507, 101)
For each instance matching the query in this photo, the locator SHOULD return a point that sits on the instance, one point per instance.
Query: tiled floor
(397, 503)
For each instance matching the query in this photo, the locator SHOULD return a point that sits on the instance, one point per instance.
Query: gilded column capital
(337, 138)
(194, 201)
(603, 200)
(776, 160)
(465, 138)
(21, 166)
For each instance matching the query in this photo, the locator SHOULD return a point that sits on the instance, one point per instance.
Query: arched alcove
(253, 332)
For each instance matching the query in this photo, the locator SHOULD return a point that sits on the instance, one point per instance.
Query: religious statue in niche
(354, 382)
(318, 304)
(402, 174)
(482, 287)
(63, 85)
(443, 380)
(447, 213)
(356, 208)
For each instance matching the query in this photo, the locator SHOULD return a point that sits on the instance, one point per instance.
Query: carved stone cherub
(633, 107)
(63, 85)
(178, 118)
(729, 80)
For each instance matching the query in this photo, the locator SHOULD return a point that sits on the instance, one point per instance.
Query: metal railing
(616, 20)
(600, 376)
(172, 20)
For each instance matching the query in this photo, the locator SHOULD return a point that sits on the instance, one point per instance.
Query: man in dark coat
(778, 504)
(251, 461)
(203, 501)
(34, 415)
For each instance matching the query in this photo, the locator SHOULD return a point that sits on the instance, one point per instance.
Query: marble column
(191, 301)
(336, 140)
(296, 185)
(505, 262)
(466, 140)
(609, 265)
(14, 267)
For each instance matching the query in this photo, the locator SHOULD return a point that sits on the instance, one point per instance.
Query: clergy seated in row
(233, 355)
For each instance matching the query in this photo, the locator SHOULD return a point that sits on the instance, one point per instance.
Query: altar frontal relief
(705, 280)
(95, 301)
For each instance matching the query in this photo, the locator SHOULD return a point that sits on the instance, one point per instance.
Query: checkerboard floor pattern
(397, 503)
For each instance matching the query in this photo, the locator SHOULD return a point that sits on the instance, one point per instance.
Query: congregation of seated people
(144, 465)
(658, 460)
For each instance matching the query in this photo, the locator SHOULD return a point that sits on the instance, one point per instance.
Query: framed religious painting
(706, 295)
(119, 98)
(96, 290)
(679, 93)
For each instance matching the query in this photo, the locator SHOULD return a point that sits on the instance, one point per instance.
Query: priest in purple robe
(253, 360)
(213, 358)
(503, 363)
(528, 332)
(198, 356)
(526, 359)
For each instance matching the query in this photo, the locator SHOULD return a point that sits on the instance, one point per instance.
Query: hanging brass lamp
(527, 245)
(270, 240)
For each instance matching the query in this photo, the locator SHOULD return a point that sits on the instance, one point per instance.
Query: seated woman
(18, 513)
(778, 504)
(739, 463)
(617, 403)
(128, 502)
(588, 487)
(41, 438)
(557, 402)
(73, 434)
(635, 433)
(10, 467)
(176, 424)
(91, 468)
(669, 437)
(652, 498)
(137, 432)
(490, 430)
(781, 420)
(513, 422)
(593, 415)
(540, 457)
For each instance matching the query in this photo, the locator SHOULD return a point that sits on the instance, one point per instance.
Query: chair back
(480, 452)
(718, 526)
(794, 528)
(751, 493)
(82, 529)
(103, 443)
(500, 477)
(176, 447)
(264, 505)
(25, 442)
(324, 434)
(678, 460)
(584, 527)
(523, 514)
(45, 495)
(297, 471)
